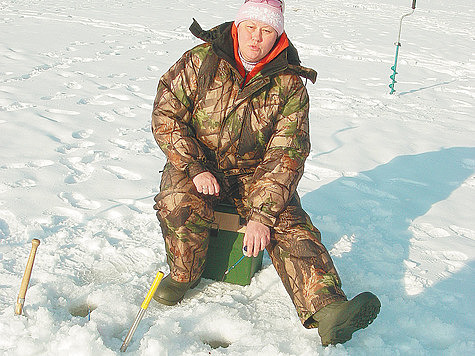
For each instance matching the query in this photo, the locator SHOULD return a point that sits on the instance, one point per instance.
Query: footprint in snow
(121, 143)
(86, 74)
(24, 183)
(464, 232)
(133, 88)
(110, 52)
(119, 97)
(63, 112)
(95, 101)
(67, 148)
(81, 134)
(57, 96)
(16, 106)
(77, 200)
(73, 85)
(122, 173)
(80, 171)
(81, 43)
(125, 111)
(13, 165)
(31, 164)
(139, 146)
(424, 231)
(105, 116)
(117, 75)
(95, 156)
(141, 79)
(454, 256)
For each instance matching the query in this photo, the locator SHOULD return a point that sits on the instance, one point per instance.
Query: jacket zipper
(243, 83)
(241, 88)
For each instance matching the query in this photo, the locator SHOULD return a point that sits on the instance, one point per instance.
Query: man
(232, 118)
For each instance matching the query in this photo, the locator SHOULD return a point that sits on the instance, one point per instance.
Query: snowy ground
(390, 181)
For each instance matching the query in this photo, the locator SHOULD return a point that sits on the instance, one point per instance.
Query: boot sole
(171, 303)
(359, 315)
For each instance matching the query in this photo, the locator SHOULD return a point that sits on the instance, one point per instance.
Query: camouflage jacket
(260, 128)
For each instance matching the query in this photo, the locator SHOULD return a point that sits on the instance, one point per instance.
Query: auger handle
(413, 4)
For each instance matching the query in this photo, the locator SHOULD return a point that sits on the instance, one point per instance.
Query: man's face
(255, 39)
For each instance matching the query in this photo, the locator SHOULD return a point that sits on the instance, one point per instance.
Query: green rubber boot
(171, 292)
(339, 320)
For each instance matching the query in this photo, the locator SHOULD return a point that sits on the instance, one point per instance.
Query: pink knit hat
(270, 12)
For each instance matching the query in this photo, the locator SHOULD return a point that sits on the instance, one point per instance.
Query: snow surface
(390, 180)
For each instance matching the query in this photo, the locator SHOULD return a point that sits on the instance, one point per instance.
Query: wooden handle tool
(26, 277)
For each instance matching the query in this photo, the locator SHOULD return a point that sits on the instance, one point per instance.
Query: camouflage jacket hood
(205, 119)
(222, 44)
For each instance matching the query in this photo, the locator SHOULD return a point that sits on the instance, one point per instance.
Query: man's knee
(294, 220)
(178, 202)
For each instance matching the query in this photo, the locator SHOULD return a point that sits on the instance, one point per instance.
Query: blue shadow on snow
(377, 207)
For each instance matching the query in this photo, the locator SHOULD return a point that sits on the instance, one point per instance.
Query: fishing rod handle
(152, 290)
(413, 4)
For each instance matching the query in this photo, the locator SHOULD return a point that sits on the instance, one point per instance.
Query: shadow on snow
(377, 207)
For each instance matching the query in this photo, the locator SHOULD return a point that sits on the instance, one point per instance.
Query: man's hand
(256, 238)
(206, 183)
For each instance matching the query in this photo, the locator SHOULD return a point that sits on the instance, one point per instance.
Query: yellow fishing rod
(141, 312)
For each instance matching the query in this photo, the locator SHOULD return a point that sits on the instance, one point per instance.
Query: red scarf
(282, 44)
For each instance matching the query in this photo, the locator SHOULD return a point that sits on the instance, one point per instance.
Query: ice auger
(398, 44)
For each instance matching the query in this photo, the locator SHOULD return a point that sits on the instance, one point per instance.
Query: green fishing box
(225, 249)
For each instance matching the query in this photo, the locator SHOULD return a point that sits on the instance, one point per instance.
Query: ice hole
(81, 310)
(215, 344)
